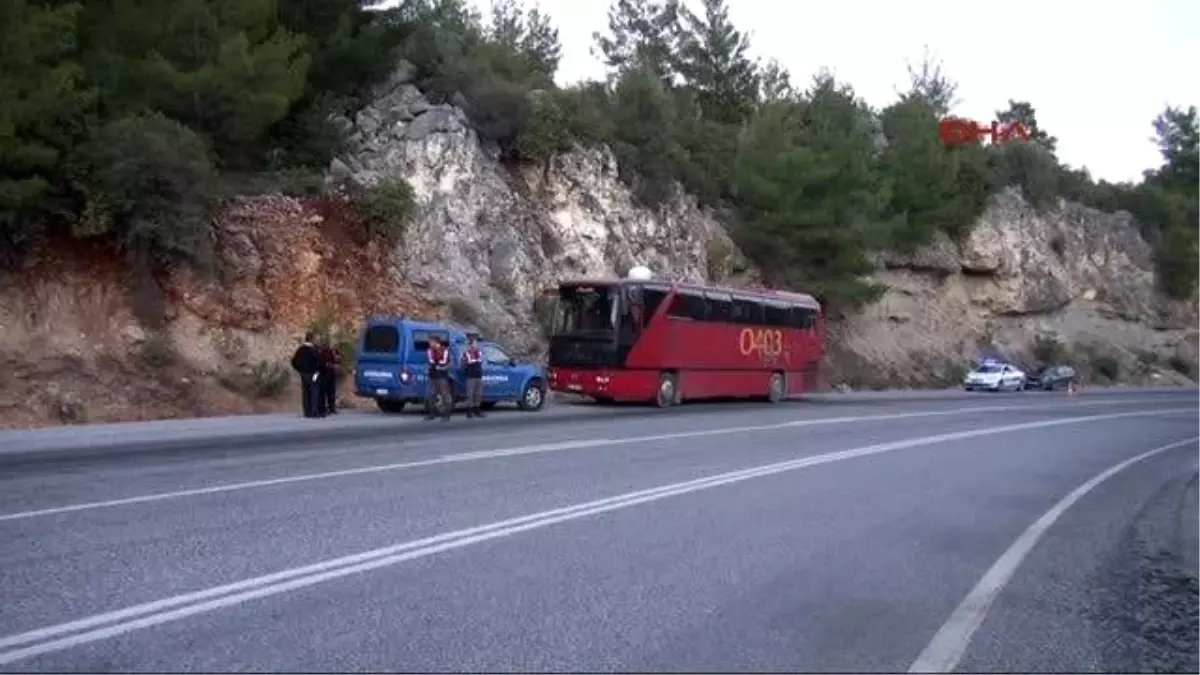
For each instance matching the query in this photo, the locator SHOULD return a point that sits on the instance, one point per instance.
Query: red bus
(656, 341)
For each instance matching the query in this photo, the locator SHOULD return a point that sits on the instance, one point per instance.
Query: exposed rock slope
(485, 240)
(1076, 276)
(490, 240)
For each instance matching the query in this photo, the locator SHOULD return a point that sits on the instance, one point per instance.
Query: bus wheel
(667, 391)
(390, 406)
(776, 389)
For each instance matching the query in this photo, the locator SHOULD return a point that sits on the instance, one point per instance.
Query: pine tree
(930, 84)
(225, 68)
(713, 60)
(933, 187)
(527, 34)
(1024, 112)
(43, 103)
(642, 36)
(775, 83)
(811, 198)
(1178, 138)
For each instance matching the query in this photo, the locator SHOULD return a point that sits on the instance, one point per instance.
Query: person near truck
(331, 365)
(437, 393)
(306, 361)
(473, 371)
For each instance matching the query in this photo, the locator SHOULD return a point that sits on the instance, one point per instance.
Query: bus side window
(775, 315)
(651, 299)
(720, 308)
(747, 311)
(799, 317)
(687, 306)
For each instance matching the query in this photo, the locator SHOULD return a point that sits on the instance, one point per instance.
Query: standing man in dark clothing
(438, 390)
(473, 370)
(331, 365)
(307, 363)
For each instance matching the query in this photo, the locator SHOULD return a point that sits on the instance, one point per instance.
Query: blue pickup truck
(393, 370)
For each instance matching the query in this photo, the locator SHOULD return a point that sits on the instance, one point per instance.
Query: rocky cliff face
(1075, 276)
(488, 240)
(484, 240)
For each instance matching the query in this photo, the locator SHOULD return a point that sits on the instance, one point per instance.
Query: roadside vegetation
(130, 120)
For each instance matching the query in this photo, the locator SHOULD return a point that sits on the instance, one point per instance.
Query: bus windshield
(586, 311)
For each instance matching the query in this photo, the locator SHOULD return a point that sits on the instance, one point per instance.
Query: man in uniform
(330, 365)
(307, 363)
(473, 370)
(438, 389)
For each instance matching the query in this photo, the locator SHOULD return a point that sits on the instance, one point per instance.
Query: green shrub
(719, 259)
(1048, 350)
(299, 182)
(154, 182)
(157, 351)
(269, 379)
(462, 312)
(1107, 367)
(327, 329)
(1029, 166)
(1176, 256)
(67, 410)
(386, 209)
(545, 133)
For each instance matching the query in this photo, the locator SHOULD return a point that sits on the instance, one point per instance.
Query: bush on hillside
(386, 208)
(157, 351)
(269, 379)
(1048, 350)
(1107, 367)
(150, 181)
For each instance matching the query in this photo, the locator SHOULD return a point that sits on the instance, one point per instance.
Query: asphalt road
(1023, 532)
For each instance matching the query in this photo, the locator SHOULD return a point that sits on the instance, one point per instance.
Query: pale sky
(1097, 73)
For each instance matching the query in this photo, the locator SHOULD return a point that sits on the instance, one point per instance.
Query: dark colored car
(1052, 378)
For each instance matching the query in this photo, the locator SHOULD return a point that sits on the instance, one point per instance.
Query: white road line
(110, 624)
(511, 452)
(944, 652)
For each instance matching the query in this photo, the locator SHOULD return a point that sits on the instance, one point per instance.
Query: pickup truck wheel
(390, 407)
(534, 396)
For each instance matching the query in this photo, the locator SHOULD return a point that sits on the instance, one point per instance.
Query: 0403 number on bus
(762, 341)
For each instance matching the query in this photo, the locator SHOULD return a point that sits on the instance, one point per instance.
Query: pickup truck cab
(393, 370)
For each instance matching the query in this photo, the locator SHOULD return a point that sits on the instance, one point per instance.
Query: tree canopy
(129, 119)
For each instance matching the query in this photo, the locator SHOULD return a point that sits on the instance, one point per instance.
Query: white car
(995, 376)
